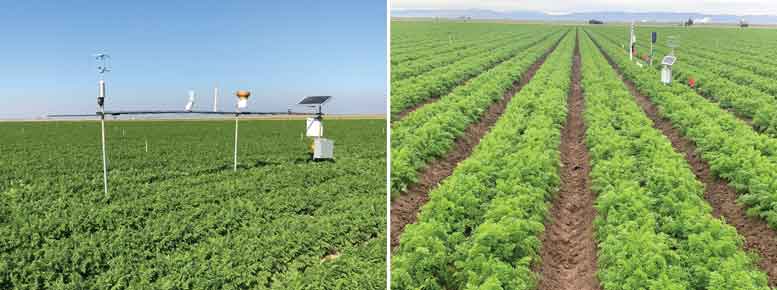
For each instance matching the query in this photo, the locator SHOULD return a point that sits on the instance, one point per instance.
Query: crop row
(766, 145)
(744, 100)
(706, 45)
(734, 151)
(414, 53)
(409, 69)
(411, 40)
(746, 48)
(737, 89)
(418, 40)
(480, 228)
(655, 230)
(430, 131)
(742, 72)
(734, 63)
(437, 82)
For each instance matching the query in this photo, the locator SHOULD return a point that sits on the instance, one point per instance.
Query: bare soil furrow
(568, 245)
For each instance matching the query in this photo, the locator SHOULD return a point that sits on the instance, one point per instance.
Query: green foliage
(746, 159)
(177, 217)
(735, 80)
(438, 74)
(479, 44)
(655, 229)
(430, 131)
(481, 226)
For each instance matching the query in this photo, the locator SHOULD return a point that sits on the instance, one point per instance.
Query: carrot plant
(654, 228)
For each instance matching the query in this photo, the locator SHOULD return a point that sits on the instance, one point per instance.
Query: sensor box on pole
(314, 127)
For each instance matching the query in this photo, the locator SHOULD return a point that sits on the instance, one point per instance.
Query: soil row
(568, 246)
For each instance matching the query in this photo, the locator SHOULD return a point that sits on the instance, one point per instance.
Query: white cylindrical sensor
(215, 99)
(190, 104)
(314, 128)
(242, 98)
(102, 88)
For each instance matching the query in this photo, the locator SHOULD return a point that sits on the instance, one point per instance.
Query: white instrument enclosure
(323, 148)
(314, 127)
(242, 103)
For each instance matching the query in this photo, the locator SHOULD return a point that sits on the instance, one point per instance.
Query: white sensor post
(632, 42)
(242, 103)
(215, 99)
(102, 68)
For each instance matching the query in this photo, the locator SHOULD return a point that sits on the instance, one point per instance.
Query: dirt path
(404, 209)
(758, 236)
(568, 246)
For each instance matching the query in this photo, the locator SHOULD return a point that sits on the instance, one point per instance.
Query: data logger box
(323, 148)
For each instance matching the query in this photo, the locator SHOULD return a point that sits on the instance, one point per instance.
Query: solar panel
(668, 60)
(314, 100)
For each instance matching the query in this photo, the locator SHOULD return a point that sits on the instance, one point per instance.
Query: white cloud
(736, 7)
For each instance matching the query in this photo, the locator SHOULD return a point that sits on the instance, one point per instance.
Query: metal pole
(234, 168)
(631, 34)
(105, 158)
(215, 99)
(651, 53)
(102, 68)
(102, 135)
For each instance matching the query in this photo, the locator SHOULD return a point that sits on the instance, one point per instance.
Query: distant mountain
(664, 17)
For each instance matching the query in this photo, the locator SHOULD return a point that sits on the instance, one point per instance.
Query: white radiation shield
(190, 104)
(314, 128)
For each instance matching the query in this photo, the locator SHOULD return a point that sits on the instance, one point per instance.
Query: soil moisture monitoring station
(321, 147)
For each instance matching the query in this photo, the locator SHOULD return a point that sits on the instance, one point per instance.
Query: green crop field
(178, 217)
(541, 157)
(465, 86)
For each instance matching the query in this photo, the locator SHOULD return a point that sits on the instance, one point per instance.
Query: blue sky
(280, 50)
